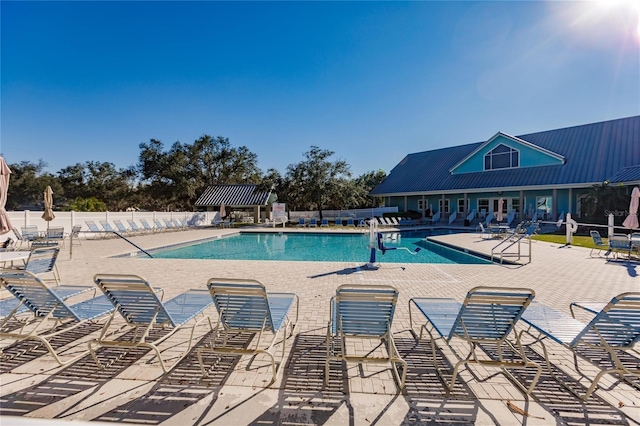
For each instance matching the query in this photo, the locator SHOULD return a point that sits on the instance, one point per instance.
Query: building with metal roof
(537, 175)
(244, 197)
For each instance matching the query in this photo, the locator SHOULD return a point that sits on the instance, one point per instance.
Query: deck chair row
(133, 227)
(487, 316)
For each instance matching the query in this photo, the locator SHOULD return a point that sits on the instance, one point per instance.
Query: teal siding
(529, 157)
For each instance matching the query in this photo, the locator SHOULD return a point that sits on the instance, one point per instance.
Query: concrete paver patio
(133, 390)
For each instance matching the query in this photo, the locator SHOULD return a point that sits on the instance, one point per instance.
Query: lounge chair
(485, 234)
(245, 306)
(120, 227)
(134, 227)
(313, 222)
(146, 225)
(43, 261)
(487, 316)
(364, 313)
(170, 225)
(338, 221)
(94, 228)
(350, 222)
(53, 235)
(108, 228)
(597, 240)
(75, 234)
(48, 305)
(614, 328)
(142, 310)
(620, 243)
(325, 222)
(159, 225)
(19, 240)
(301, 223)
(30, 234)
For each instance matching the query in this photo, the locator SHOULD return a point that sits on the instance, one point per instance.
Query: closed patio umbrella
(631, 221)
(500, 204)
(223, 212)
(48, 205)
(5, 172)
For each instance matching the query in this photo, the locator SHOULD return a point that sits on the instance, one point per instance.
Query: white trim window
(502, 157)
(446, 205)
(421, 205)
(461, 208)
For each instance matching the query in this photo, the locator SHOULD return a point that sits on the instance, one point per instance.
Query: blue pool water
(319, 247)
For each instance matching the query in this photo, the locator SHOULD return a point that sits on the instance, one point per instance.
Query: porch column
(424, 208)
(405, 203)
(465, 207)
(554, 201)
(441, 208)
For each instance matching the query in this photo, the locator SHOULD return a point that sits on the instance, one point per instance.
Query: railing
(515, 238)
(452, 217)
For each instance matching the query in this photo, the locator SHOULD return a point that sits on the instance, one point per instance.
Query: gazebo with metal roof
(244, 197)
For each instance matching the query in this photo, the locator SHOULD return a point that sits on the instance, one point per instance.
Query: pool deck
(133, 391)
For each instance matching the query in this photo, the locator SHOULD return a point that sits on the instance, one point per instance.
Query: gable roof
(515, 139)
(593, 153)
(245, 195)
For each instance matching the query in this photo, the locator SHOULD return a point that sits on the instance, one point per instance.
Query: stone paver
(135, 391)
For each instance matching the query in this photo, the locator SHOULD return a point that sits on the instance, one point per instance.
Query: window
(461, 208)
(543, 204)
(501, 157)
(444, 209)
(515, 204)
(421, 205)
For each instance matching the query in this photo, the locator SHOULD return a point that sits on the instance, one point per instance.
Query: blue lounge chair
(301, 222)
(338, 221)
(159, 225)
(325, 222)
(245, 306)
(142, 310)
(597, 240)
(120, 227)
(134, 227)
(95, 230)
(30, 234)
(618, 243)
(43, 261)
(107, 227)
(47, 306)
(487, 316)
(350, 222)
(313, 222)
(146, 225)
(363, 313)
(614, 328)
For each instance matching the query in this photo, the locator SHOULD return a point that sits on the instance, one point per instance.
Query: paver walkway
(133, 391)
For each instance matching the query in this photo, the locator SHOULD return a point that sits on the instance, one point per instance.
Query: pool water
(320, 248)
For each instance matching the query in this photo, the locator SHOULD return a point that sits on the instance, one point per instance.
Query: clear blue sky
(372, 81)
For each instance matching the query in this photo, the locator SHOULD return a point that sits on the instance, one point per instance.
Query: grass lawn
(580, 241)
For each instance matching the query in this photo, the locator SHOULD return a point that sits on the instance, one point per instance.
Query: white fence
(69, 219)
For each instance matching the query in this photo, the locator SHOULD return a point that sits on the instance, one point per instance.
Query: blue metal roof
(593, 152)
(627, 175)
(233, 196)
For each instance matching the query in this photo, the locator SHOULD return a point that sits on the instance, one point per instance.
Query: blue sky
(372, 81)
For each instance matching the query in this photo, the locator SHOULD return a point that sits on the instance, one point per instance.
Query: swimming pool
(320, 247)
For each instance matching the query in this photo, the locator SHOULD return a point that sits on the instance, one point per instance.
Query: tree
(312, 182)
(177, 177)
(28, 182)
